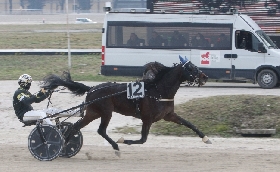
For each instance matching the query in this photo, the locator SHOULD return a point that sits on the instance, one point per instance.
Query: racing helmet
(25, 80)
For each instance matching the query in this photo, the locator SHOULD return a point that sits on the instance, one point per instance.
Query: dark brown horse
(161, 85)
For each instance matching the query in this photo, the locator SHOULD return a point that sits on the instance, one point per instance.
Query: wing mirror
(261, 48)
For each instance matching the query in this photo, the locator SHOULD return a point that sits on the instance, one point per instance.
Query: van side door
(214, 58)
(247, 57)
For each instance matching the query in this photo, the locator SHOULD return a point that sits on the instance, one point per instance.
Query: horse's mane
(154, 72)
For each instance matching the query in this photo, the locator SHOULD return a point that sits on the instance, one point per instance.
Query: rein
(83, 104)
(107, 86)
(49, 98)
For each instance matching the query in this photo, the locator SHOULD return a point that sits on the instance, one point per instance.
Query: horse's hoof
(118, 153)
(121, 140)
(206, 140)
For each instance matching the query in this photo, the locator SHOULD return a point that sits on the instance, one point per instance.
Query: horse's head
(192, 73)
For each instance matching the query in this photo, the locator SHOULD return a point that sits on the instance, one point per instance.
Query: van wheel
(267, 79)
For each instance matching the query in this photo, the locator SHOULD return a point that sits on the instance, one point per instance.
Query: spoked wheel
(45, 142)
(75, 143)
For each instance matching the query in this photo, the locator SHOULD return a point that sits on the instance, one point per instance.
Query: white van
(229, 47)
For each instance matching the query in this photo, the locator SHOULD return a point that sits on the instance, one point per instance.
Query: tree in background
(35, 4)
(84, 4)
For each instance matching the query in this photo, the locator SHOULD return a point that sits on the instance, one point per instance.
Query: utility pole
(74, 6)
(68, 37)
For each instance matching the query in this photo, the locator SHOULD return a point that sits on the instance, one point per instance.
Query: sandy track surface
(159, 153)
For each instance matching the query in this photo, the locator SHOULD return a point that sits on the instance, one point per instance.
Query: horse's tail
(52, 81)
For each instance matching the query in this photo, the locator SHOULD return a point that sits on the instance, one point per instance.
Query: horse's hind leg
(173, 117)
(105, 119)
(90, 116)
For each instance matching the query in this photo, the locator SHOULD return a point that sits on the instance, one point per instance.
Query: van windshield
(266, 40)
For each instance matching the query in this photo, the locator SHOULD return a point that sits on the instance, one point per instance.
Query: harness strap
(137, 110)
(165, 100)
(49, 100)
(84, 104)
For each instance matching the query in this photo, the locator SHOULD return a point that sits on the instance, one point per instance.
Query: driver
(23, 99)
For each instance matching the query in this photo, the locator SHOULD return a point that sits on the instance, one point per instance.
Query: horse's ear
(181, 59)
(186, 59)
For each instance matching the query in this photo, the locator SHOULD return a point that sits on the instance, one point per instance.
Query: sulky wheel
(47, 146)
(75, 143)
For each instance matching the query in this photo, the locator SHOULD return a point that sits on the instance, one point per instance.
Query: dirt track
(159, 153)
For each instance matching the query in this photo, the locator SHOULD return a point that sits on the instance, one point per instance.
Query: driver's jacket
(23, 99)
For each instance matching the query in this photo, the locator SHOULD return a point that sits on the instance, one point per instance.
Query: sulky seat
(28, 123)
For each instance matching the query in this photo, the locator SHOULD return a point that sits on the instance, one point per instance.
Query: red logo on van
(205, 58)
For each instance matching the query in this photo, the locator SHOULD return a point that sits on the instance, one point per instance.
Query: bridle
(194, 73)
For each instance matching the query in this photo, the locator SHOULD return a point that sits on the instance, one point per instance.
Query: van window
(255, 43)
(117, 4)
(246, 40)
(168, 35)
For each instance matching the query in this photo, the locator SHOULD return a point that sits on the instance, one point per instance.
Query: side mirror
(261, 48)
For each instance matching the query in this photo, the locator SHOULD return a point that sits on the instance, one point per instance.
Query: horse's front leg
(144, 135)
(173, 117)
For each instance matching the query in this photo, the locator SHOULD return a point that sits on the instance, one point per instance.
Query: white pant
(35, 115)
(39, 114)
(74, 112)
